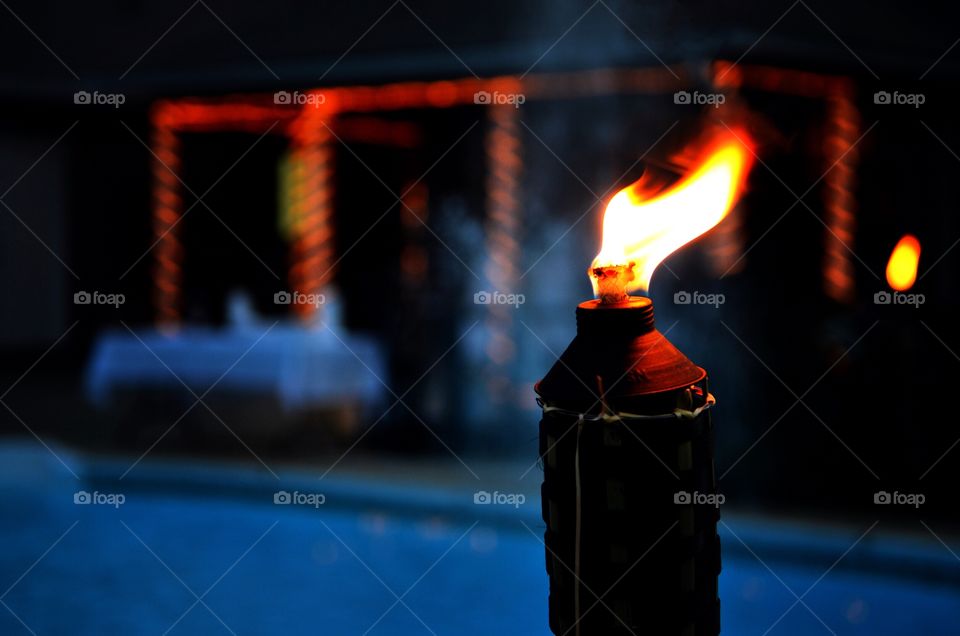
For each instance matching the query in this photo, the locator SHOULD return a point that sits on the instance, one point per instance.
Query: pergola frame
(308, 125)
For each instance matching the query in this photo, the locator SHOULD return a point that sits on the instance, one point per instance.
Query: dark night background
(821, 402)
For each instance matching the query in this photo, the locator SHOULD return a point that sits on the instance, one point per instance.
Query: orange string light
(841, 156)
(167, 208)
(313, 209)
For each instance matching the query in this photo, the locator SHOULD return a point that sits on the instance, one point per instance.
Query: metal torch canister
(627, 449)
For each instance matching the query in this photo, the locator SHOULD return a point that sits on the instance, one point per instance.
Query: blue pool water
(261, 568)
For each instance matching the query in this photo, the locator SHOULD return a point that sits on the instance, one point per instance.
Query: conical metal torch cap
(617, 355)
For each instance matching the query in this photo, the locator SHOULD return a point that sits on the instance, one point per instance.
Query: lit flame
(902, 268)
(642, 227)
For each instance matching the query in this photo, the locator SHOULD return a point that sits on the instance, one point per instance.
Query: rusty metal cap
(618, 354)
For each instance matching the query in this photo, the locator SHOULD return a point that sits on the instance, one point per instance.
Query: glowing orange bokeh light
(643, 226)
(902, 267)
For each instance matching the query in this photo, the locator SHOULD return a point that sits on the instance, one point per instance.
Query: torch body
(629, 494)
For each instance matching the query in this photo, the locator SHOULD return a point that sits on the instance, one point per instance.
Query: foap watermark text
(897, 498)
(96, 98)
(696, 98)
(497, 498)
(496, 98)
(297, 498)
(96, 498)
(685, 498)
(897, 98)
(296, 98)
(498, 298)
(98, 298)
(298, 298)
(898, 298)
(698, 298)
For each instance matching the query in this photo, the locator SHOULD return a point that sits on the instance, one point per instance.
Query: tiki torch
(626, 439)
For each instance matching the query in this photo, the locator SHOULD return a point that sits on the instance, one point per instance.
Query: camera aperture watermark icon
(297, 498)
(497, 498)
(897, 98)
(98, 298)
(897, 498)
(697, 498)
(698, 298)
(696, 98)
(96, 98)
(298, 298)
(498, 298)
(496, 98)
(898, 298)
(96, 498)
(297, 98)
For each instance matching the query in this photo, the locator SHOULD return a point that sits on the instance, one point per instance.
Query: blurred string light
(312, 262)
(167, 210)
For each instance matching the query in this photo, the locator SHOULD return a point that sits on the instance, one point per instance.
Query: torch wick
(612, 281)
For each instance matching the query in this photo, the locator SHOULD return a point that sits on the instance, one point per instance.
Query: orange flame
(642, 226)
(902, 267)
